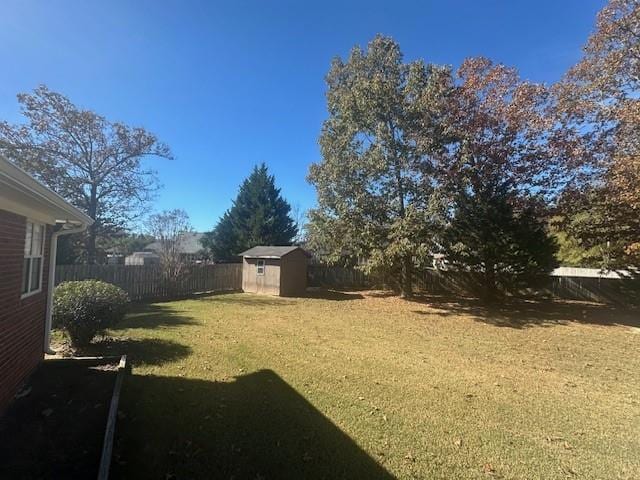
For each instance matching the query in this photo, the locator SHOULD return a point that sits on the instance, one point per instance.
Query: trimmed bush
(86, 308)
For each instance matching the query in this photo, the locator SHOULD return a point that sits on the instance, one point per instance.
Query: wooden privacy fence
(337, 277)
(606, 290)
(148, 282)
(429, 280)
(622, 291)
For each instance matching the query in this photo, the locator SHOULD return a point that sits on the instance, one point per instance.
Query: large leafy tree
(92, 162)
(374, 181)
(259, 216)
(600, 98)
(499, 133)
(504, 156)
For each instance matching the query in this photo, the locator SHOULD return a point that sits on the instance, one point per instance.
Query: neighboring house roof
(143, 254)
(22, 194)
(189, 243)
(270, 251)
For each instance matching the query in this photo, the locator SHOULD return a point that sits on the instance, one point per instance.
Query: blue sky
(230, 84)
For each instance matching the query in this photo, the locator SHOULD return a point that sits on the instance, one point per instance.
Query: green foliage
(71, 249)
(87, 307)
(487, 234)
(599, 98)
(604, 227)
(259, 216)
(374, 181)
(571, 251)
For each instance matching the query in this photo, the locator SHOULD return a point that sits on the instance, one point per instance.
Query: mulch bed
(56, 430)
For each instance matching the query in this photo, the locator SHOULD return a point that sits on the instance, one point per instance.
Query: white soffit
(20, 193)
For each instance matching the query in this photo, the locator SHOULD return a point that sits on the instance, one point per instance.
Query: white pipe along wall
(53, 250)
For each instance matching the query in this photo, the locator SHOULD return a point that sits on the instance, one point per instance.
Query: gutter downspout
(53, 250)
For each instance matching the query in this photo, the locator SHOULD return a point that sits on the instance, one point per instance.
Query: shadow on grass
(333, 295)
(178, 297)
(518, 313)
(248, 299)
(150, 351)
(275, 301)
(153, 316)
(256, 426)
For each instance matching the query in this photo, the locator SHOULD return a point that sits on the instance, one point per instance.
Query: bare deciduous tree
(92, 162)
(168, 228)
(299, 216)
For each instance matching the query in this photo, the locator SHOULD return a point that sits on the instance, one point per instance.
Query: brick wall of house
(21, 320)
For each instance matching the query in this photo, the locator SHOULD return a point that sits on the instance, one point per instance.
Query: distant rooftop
(189, 243)
(270, 251)
(143, 254)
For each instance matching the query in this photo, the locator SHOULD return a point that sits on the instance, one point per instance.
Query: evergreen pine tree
(259, 216)
(510, 247)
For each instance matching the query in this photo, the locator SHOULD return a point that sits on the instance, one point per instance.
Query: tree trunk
(406, 287)
(406, 280)
(490, 287)
(90, 245)
(90, 241)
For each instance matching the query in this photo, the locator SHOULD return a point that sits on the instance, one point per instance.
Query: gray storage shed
(275, 270)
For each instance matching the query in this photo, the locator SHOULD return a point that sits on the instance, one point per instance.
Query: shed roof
(270, 251)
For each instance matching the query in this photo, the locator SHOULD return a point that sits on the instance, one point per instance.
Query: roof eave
(43, 198)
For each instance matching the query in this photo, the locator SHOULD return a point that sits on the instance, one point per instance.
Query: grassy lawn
(363, 385)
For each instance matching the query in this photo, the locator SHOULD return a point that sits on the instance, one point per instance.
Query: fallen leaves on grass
(488, 469)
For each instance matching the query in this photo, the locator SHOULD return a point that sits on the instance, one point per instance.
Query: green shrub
(86, 308)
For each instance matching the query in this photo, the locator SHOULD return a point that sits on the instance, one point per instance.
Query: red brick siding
(21, 320)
